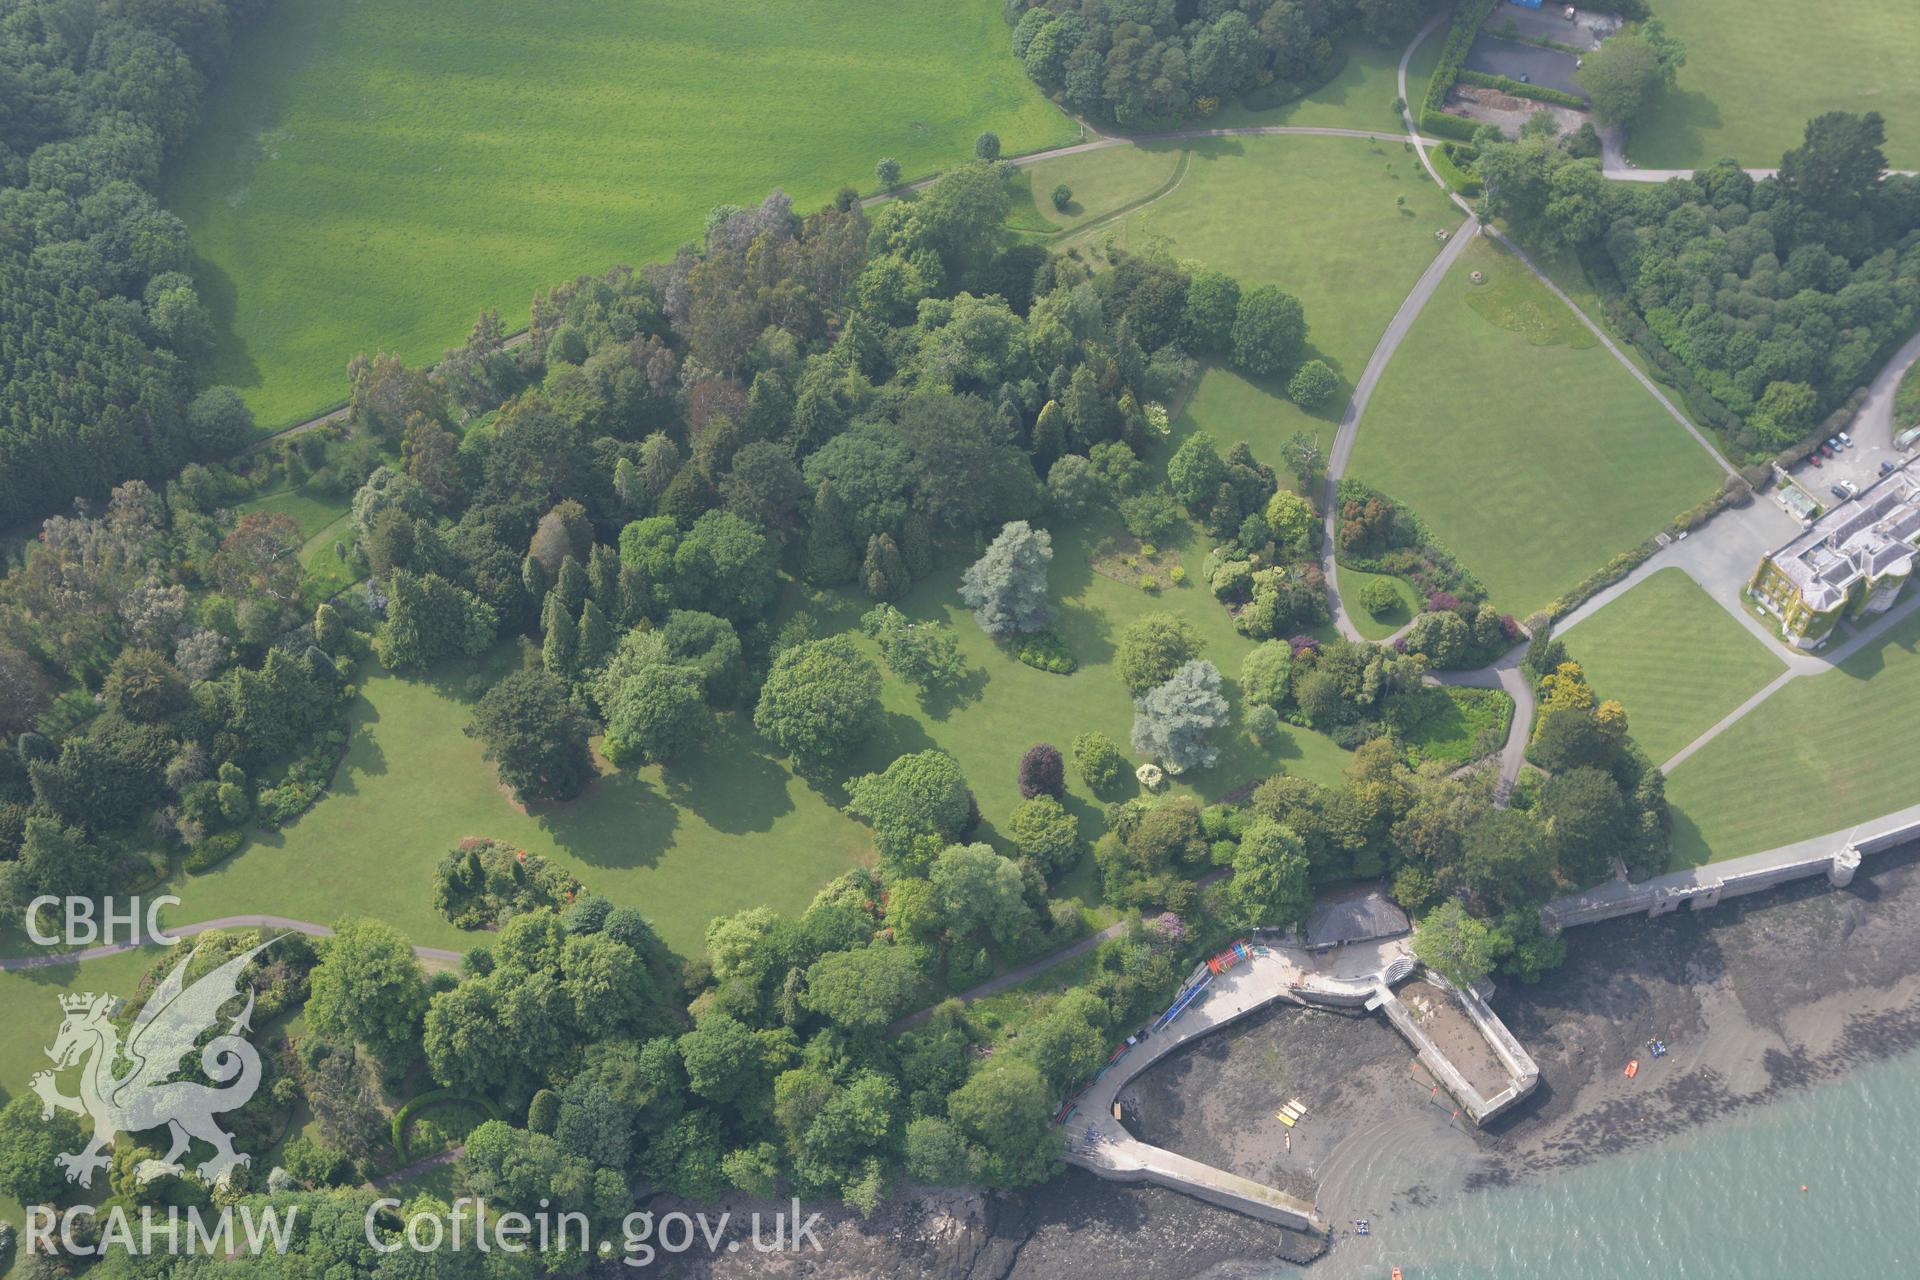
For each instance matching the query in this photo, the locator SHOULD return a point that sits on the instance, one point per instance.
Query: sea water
(1819, 1183)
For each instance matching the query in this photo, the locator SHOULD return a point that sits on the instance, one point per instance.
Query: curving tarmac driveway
(1349, 429)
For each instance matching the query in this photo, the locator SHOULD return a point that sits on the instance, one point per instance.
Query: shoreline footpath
(1756, 999)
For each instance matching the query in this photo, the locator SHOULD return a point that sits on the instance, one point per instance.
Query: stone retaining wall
(1523, 1075)
(1699, 888)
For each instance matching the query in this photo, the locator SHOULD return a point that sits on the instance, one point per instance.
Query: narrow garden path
(1013, 977)
(1349, 429)
(1802, 665)
(1160, 192)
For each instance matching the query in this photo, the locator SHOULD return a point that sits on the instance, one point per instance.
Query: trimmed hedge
(1447, 164)
(1665, 367)
(1439, 124)
(1519, 89)
(1453, 54)
(433, 1098)
(1602, 578)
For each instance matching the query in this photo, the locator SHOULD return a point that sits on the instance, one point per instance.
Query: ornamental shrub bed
(1046, 651)
(1447, 163)
(213, 851)
(1403, 547)
(483, 882)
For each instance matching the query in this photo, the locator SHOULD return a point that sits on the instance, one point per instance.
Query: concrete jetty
(1359, 976)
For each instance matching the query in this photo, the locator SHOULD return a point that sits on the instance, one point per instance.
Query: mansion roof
(1868, 536)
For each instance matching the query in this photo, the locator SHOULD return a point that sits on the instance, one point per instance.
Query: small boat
(1396, 1273)
(1633, 1068)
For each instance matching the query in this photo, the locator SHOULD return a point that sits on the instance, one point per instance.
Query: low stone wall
(1214, 1186)
(1702, 887)
(1521, 1068)
(1523, 1075)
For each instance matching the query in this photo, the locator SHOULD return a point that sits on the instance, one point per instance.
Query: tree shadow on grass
(232, 364)
(364, 756)
(1088, 633)
(938, 702)
(1685, 117)
(1690, 847)
(621, 821)
(732, 783)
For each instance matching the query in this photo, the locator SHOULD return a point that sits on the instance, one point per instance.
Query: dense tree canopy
(90, 265)
(1136, 64)
(1766, 301)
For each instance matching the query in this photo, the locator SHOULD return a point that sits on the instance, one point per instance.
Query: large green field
(1533, 455)
(372, 176)
(731, 826)
(1825, 751)
(1757, 70)
(1360, 97)
(1673, 658)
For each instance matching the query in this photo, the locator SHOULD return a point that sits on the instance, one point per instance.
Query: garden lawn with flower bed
(1531, 454)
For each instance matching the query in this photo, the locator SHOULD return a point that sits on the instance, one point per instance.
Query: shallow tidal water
(1721, 1200)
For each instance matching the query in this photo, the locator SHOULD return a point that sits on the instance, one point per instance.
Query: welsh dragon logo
(146, 1095)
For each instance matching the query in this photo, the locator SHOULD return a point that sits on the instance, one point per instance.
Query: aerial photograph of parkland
(959, 639)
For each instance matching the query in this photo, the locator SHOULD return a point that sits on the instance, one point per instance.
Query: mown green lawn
(1353, 581)
(1757, 70)
(1825, 751)
(1532, 454)
(730, 826)
(310, 511)
(1235, 409)
(1316, 216)
(1018, 705)
(1673, 658)
(1101, 181)
(372, 176)
(1360, 97)
(30, 1008)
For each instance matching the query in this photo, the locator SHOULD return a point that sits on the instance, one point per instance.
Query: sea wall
(1697, 888)
(1523, 1075)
